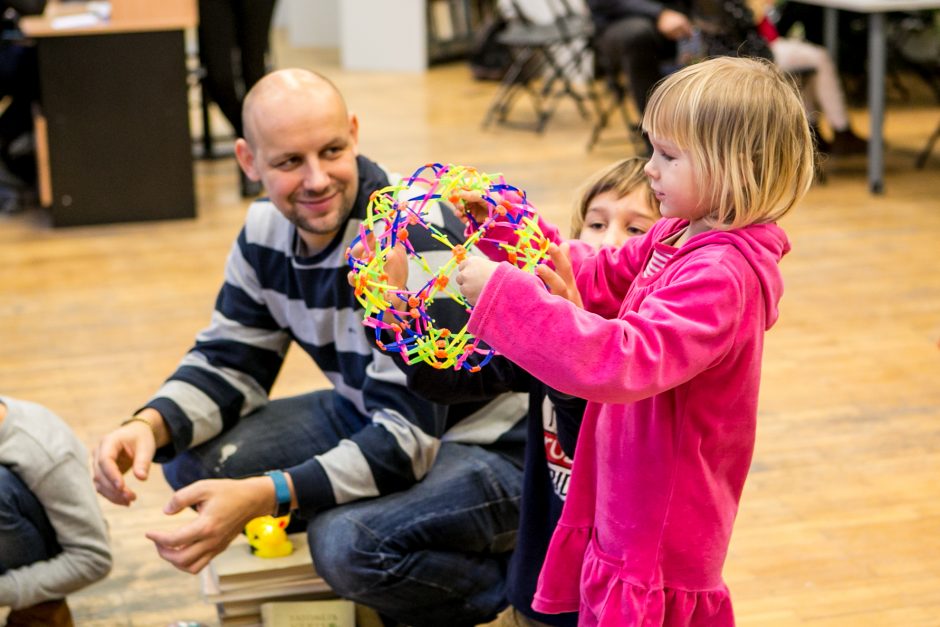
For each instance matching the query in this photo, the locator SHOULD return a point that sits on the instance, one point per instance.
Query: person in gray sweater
(53, 537)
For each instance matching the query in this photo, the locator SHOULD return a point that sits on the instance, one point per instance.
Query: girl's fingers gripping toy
(403, 312)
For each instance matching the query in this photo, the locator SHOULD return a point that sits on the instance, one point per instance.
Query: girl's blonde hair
(743, 124)
(621, 178)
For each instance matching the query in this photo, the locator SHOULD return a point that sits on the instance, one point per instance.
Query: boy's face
(610, 220)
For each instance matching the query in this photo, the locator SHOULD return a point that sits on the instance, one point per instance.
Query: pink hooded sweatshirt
(670, 365)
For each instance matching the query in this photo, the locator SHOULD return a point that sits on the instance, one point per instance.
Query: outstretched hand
(130, 447)
(224, 507)
(560, 281)
(474, 272)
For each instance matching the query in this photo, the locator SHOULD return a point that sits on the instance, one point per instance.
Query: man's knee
(346, 554)
(183, 470)
(213, 460)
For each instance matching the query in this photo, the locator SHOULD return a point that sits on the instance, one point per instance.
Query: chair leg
(512, 82)
(925, 153)
(208, 144)
(600, 123)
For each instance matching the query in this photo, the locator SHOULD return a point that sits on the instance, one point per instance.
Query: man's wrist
(283, 495)
(154, 419)
(144, 420)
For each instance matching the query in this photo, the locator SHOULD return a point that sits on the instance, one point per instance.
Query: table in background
(876, 65)
(112, 129)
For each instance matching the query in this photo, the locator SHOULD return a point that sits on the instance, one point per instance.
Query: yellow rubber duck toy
(267, 536)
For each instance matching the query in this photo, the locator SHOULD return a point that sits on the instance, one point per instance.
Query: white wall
(383, 35)
(309, 23)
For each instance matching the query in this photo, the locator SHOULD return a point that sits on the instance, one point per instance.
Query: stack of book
(238, 582)
(335, 613)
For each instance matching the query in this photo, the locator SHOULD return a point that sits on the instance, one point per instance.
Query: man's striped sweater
(274, 295)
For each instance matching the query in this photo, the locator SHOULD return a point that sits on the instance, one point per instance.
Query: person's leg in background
(253, 33)
(217, 52)
(434, 554)
(27, 537)
(634, 46)
(823, 91)
(253, 42)
(19, 79)
(221, 23)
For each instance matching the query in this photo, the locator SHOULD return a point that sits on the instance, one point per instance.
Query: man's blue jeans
(26, 536)
(432, 555)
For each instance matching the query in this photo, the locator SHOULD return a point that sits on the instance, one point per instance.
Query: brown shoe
(48, 614)
(847, 143)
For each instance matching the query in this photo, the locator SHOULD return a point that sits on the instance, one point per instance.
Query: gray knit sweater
(51, 461)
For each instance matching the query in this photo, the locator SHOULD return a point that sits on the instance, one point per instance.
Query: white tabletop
(876, 6)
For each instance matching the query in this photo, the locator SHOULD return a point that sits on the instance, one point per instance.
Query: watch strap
(281, 492)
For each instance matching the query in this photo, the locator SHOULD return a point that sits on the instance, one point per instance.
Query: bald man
(411, 508)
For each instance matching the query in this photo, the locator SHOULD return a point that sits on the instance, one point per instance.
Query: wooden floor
(840, 520)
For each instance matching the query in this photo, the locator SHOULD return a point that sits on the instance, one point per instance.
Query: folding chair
(914, 44)
(545, 56)
(616, 91)
(924, 154)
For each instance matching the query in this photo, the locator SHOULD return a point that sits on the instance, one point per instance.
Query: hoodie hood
(762, 245)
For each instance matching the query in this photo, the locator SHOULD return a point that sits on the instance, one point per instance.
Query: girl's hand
(560, 281)
(473, 205)
(473, 273)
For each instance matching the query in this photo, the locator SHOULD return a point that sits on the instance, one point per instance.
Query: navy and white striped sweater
(272, 296)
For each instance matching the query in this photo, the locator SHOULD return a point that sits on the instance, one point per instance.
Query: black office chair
(545, 55)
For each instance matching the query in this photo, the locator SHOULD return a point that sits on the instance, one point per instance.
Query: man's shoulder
(266, 226)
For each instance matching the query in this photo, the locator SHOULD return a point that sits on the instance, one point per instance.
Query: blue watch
(281, 492)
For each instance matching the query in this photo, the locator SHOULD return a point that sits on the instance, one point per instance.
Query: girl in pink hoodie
(667, 350)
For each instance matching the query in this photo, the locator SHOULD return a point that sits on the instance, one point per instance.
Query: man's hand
(473, 273)
(560, 281)
(224, 507)
(674, 25)
(132, 446)
(396, 268)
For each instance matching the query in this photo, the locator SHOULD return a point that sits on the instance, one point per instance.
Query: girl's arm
(678, 331)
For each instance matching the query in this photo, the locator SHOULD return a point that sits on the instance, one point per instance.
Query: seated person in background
(234, 37)
(821, 91)
(53, 538)
(851, 29)
(616, 203)
(19, 81)
(638, 37)
(411, 508)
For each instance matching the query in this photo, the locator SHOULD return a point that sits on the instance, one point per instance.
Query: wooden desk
(876, 66)
(113, 135)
